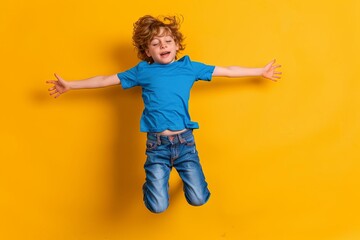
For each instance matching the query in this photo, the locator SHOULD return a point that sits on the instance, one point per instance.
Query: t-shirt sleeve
(128, 78)
(203, 71)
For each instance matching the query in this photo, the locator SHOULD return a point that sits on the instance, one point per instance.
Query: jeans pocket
(151, 145)
(190, 141)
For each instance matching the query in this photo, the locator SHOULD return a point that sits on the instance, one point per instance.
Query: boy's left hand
(270, 71)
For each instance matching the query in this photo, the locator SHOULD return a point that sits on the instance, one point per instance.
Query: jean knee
(198, 200)
(156, 203)
(158, 207)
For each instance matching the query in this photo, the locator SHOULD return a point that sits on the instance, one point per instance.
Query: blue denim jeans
(163, 153)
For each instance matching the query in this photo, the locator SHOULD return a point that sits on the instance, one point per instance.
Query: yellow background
(281, 159)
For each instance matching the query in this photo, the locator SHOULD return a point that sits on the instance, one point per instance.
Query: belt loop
(181, 139)
(158, 139)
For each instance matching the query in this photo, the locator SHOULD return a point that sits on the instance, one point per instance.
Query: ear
(177, 47)
(147, 52)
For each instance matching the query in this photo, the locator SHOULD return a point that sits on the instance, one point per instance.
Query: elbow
(102, 81)
(110, 80)
(223, 72)
(105, 81)
(232, 71)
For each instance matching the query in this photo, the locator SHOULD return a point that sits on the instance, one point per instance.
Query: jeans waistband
(169, 138)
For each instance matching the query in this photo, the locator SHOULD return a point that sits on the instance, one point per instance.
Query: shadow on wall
(124, 173)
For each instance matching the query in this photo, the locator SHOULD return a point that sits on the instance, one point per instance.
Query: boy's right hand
(60, 86)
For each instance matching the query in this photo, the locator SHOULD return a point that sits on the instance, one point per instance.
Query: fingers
(270, 64)
(275, 74)
(57, 76)
(273, 68)
(54, 91)
(55, 81)
(55, 94)
(272, 61)
(275, 78)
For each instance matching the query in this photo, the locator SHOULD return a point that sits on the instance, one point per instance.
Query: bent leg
(195, 186)
(156, 187)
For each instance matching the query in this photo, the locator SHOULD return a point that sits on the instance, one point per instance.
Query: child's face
(162, 48)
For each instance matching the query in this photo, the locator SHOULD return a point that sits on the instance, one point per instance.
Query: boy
(166, 83)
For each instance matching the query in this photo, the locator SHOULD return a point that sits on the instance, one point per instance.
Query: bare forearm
(61, 86)
(237, 71)
(269, 71)
(94, 82)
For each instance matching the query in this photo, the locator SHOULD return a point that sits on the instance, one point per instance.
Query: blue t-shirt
(166, 91)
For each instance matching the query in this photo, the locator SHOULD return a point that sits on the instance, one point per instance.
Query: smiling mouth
(164, 54)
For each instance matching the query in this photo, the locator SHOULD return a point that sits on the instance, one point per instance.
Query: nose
(163, 45)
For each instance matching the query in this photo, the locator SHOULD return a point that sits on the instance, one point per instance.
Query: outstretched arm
(61, 86)
(269, 71)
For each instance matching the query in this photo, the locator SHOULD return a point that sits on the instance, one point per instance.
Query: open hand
(60, 86)
(270, 71)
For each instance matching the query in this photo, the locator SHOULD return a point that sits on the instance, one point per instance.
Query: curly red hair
(147, 27)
